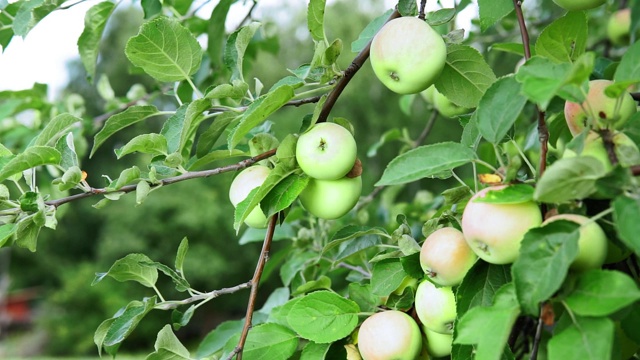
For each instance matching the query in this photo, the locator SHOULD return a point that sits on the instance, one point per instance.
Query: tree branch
(168, 305)
(255, 282)
(421, 11)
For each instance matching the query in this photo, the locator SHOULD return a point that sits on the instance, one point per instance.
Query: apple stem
(421, 12)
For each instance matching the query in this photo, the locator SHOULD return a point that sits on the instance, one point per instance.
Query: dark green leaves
(565, 39)
(504, 95)
(602, 292)
(235, 48)
(493, 10)
(568, 179)
(120, 121)
(587, 338)
(626, 212)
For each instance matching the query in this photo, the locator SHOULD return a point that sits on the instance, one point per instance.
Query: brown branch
(538, 336)
(356, 64)
(523, 28)
(421, 12)
(172, 180)
(255, 282)
(610, 147)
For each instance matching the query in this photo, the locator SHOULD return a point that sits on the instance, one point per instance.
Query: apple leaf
(543, 263)
(493, 10)
(215, 340)
(569, 179)
(503, 94)
(626, 212)
(216, 33)
(386, 276)
(602, 292)
(6, 231)
(428, 161)
(235, 48)
(465, 77)
(512, 48)
(192, 118)
(629, 68)
(95, 21)
(313, 351)
(441, 16)
(351, 232)
(55, 129)
(154, 144)
(133, 267)
(587, 338)
(283, 194)
(120, 121)
(565, 39)
(31, 157)
(364, 297)
(113, 331)
(323, 316)
(512, 194)
(369, 32)
(168, 346)
(315, 19)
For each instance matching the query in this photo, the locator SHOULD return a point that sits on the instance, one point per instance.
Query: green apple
(592, 242)
(446, 107)
(427, 94)
(407, 282)
(247, 180)
(575, 5)
(619, 27)
(446, 257)
(494, 231)
(327, 151)
(438, 345)
(389, 335)
(436, 307)
(626, 150)
(407, 55)
(352, 352)
(599, 110)
(331, 199)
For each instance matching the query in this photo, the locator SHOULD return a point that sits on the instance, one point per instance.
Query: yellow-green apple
(331, 199)
(389, 335)
(598, 110)
(619, 27)
(427, 94)
(446, 107)
(247, 180)
(436, 307)
(494, 231)
(407, 282)
(575, 5)
(438, 345)
(327, 151)
(592, 242)
(446, 257)
(352, 352)
(625, 149)
(407, 55)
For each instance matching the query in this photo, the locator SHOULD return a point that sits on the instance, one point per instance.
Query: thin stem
(524, 157)
(458, 178)
(358, 269)
(158, 293)
(538, 336)
(255, 282)
(523, 28)
(167, 305)
(486, 164)
(195, 88)
(423, 6)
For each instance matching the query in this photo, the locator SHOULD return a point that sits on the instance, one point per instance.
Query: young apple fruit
(592, 242)
(326, 152)
(575, 5)
(247, 180)
(599, 110)
(626, 150)
(446, 257)
(445, 107)
(436, 307)
(494, 231)
(619, 27)
(407, 55)
(389, 335)
(438, 345)
(331, 199)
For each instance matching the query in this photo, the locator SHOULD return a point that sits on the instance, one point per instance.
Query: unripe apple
(446, 107)
(389, 335)
(619, 27)
(407, 282)
(626, 150)
(249, 179)
(438, 345)
(601, 111)
(327, 151)
(575, 5)
(436, 307)
(331, 199)
(494, 231)
(427, 94)
(446, 257)
(592, 242)
(407, 55)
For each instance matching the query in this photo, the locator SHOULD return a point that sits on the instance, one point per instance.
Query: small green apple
(592, 242)
(626, 150)
(601, 111)
(619, 27)
(407, 55)
(247, 180)
(389, 335)
(446, 107)
(427, 94)
(436, 307)
(327, 151)
(446, 257)
(575, 5)
(407, 282)
(331, 199)
(438, 345)
(494, 231)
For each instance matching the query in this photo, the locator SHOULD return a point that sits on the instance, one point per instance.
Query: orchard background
(114, 195)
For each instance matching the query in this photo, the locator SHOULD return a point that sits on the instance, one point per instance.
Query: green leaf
(270, 342)
(31, 157)
(440, 17)
(322, 283)
(28, 230)
(602, 292)
(151, 8)
(95, 21)
(323, 317)
(283, 194)
(258, 112)
(168, 347)
(351, 232)
(493, 10)
(55, 128)
(314, 351)
(214, 156)
(179, 281)
(181, 254)
(503, 94)
(488, 327)
(207, 140)
(587, 338)
(512, 194)
(133, 267)
(428, 161)
(568, 179)
(26, 18)
(512, 48)
(315, 19)
(407, 8)
(154, 144)
(479, 286)
(120, 121)
(216, 33)
(629, 68)
(369, 32)
(545, 256)
(192, 118)
(364, 297)
(67, 149)
(126, 177)
(386, 276)
(465, 77)
(235, 48)
(565, 39)
(165, 49)
(125, 321)
(6, 231)
(626, 212)
(216, 339)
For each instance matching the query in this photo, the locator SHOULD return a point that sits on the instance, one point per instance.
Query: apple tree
(534, 253)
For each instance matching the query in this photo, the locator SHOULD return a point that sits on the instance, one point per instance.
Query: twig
(172, 180)
(538, 336)
(358, 269)
(167, 305)
(248, 16)
(610, 147)
(295, 103)
(523, 28)
(102, 118)
(255, 282)
(421, 12)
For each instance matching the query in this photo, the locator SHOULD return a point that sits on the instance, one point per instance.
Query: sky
(42, 56)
